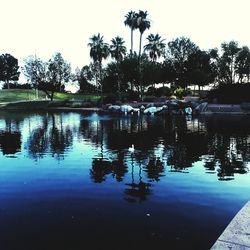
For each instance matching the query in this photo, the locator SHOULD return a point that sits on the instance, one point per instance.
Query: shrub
(163, 91)
(110, 98)
(230, 94)
(16, 85)
(149, 99)
(180, 92)
(151, 91)
(130, 96)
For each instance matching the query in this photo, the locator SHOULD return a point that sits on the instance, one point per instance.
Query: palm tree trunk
(131, 51)
(118, 82)
(140, 69)
(140, 45)
(100, 72)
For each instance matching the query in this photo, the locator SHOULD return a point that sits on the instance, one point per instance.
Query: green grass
(15, 95)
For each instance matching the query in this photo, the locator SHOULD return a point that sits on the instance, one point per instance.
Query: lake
(72, 181)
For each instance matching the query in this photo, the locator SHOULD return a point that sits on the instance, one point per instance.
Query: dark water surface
(69, 180)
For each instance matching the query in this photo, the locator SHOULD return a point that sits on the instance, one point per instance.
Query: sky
(43, 27)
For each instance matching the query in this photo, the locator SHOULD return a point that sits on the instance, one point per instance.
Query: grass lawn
(15, 95)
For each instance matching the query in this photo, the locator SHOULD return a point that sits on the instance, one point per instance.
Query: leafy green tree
(151, 72)
(130, 70)
(112, 77)
(48, 76)
(179, 51)
(242, 64)
(35, 70)
(155, 46)
(59, 72)
(94, 68)
(199, 69)
(84, 77)
(214, 63)
(228, 61)
(168, 74)
(99, 50)
(131, 22)
(8, 69)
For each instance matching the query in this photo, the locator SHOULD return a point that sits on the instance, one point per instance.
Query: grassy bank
(20, 99)
(14, 95)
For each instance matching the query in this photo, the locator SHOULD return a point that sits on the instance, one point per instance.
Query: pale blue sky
(47, 26)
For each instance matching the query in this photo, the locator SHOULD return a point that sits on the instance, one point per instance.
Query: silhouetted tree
(118, 51)
(179, 51)
(59, 72)
(35, 70)
(83, 77)
(8, 69)
(143, 23)
(99, 50)
(155, 46)
(131, 22)
(242, 64)
(48, 76)
(227, 62)
(199, 69)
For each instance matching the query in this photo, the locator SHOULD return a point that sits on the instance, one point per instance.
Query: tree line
(179, 63)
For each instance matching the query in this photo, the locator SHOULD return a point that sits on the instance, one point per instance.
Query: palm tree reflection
(137, 191)
(154, 169)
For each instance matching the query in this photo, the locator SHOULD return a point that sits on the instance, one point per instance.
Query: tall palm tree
(155, 46)
(99, 50)
(131, 22)
(143, 23)
(118, 51)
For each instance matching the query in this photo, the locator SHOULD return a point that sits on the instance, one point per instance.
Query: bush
(16, 85)
(110, 98)
(149, 99)
(130, 96)
(151, 91)
(163, 91)
(230, 94)
(180, 92)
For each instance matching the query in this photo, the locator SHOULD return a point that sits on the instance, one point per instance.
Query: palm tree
(142, 24)
(118, 51)
(131, 22)
(155, 46)
(99, 50)
(117, 48)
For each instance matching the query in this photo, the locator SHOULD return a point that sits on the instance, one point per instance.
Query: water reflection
(102, 167)
(10, 142)
(162, 144)
(91, 186)
(136, 190)
(50, 137)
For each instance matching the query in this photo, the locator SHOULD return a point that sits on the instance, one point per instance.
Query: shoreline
(208, 109)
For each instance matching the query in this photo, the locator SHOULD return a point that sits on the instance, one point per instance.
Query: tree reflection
(226, 156)
(167, 143)
(50, 137)
(10, 137)
(102, 167)
(10, 142)
(154, 169)
(137, 191)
